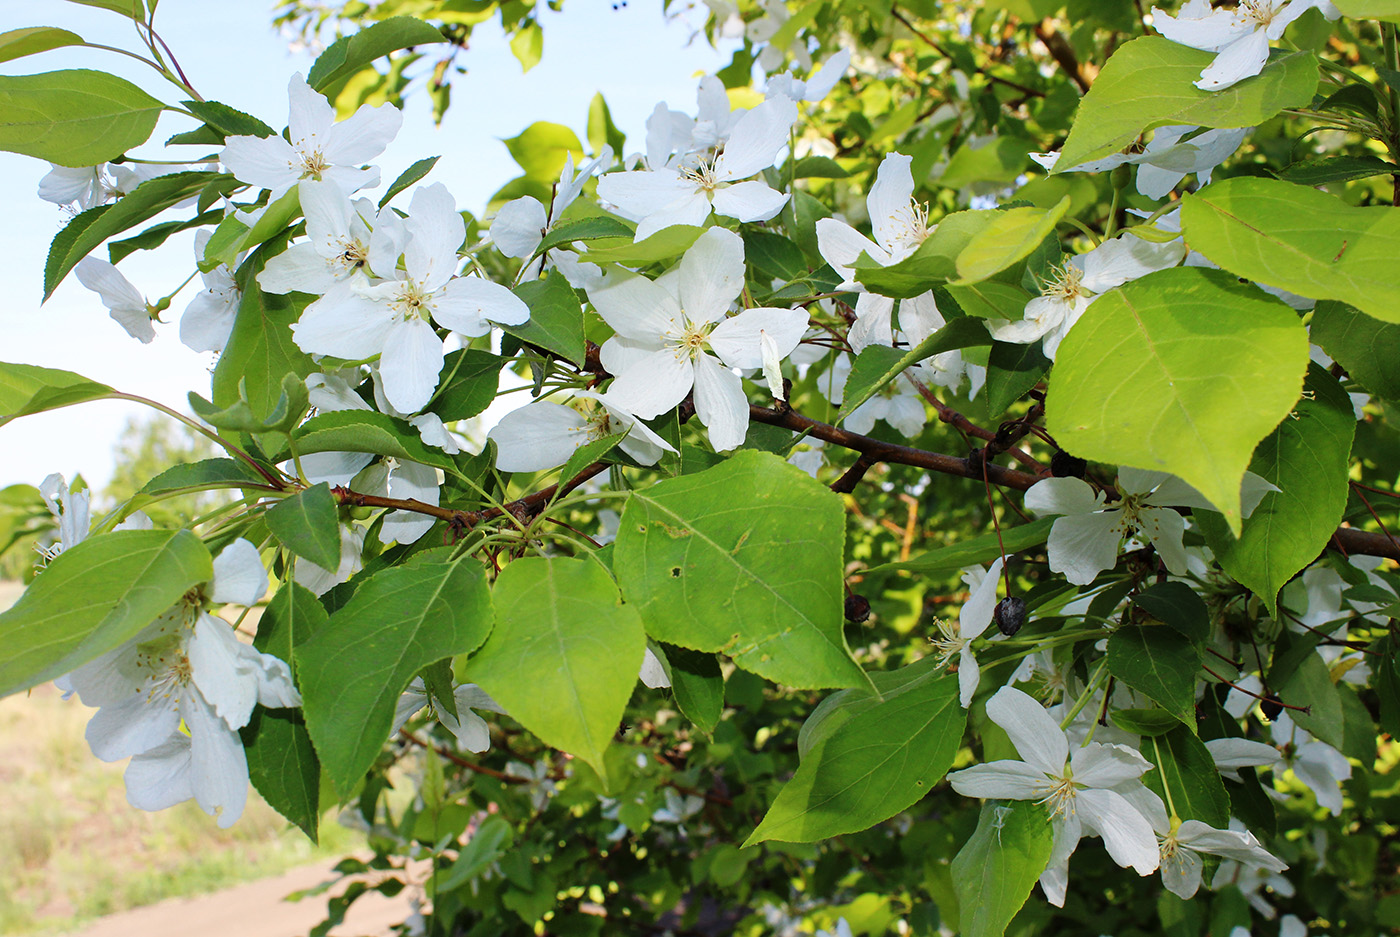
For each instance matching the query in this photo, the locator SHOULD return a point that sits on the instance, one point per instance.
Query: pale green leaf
(75, 117)
(743, 558)
(1365, 346)
(1010, 238)
(92, 597)
(28, 388)
(1299, 239)
(1370, 9)
(564, 656)
(669, 242)
(1183, 371)
(542, 148)
(31, 40)
(1149, 82)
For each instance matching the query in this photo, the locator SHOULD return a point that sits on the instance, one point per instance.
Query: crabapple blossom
(470, 730)
(1241, 35)
(208, 320)
(124, 303)
(955, 638)
(544, 435)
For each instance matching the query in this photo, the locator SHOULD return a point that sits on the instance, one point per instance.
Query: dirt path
(256, 909)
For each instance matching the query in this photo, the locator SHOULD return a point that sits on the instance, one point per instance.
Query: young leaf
(585, 229)
(1149, 82)
(1011, 237)
(75, 117)
(28, 388)
(1299, 239)
(874, 764)
(308, 524)
(365, 431)
(228, 121)
(409, 176)
(92, 597)
(564, 655)
(354, 668)
(995, 870)
(542, 148)
(1138, 380)
(745, 582)
(31, 40)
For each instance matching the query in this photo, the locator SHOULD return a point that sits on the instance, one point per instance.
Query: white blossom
(1241, 35)
(124, 302)
(544, 435)
(955, 638)
(470, 730)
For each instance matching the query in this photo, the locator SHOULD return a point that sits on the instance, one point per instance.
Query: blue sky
(231, 54)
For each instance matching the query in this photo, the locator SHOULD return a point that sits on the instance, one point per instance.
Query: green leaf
(542, 148)
(1182, 371)
(585, 229)
(92, 227)
(1308, 459)
(588, 453)
(31, 40)
(1183, 762)
(239, 417)
(349, 54)
(1370, 9)
(556, 317)
(468, 384)
(28, 388)
(75, 117)
(663, 245)
(1160, 664)
(228, 121)
(995, 870)
(1148, 83)
(550, 664)
(260, 350)
(818, 167)
(1330, 169)
(132, 8)
(365, 431)
(762, 585)
(932, 264)
(527, 45)
(409, 176)
(157, 234)
(873, 765)
(1148, 722)
(282, 762)
(308, 524)
(203, 476)
(1367, 348)
(490, 841)
(1305, 681)
(1299, 239)
(601, 130)
(698, 685)
(877, 365)
(991, 299)
(1177, 605)
(1012, 370)
(354, 668)
(92, 597)
(773, 255)
(975, 550)
(1010, 238)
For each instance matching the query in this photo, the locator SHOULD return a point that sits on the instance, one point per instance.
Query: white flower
(521, 224)
(319, 580)
(208, 319)
(1167, 159)
(337, 245)
(187, 667)
(1086, 538)
(678, 809)
(124, 303)
(764, 28)
(320, 148)
(541, 786)
(1077, 787)
(1230, 754)
(663, 341)
(666, 196)
(1182, 843)
(393, 318)
(471, 731)
(817, 86)
(406, 481)
(1319, 766)
(83, 187)
(70, 510)
(1241, 35)
(653, 673)
(955, 638)
(1062, 301)
(1249, 878)
(544, 435)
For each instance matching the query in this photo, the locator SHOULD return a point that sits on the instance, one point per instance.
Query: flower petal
(638, 308)
(1083, 545)
(467, 304)
(1127, 835)
(538, 436)
(654, 384)
(736, 340)
(711, 275)
(749, 201)
(1000, 780)
(756, 139)
(1037, 737)
(410, 365)
(519, 227)
(239, 576)
(720, 404)
(436, 233)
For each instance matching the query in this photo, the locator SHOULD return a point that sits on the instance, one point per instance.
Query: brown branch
(1062, 53)
(1350, 540)
(937, 47)
(961, 423)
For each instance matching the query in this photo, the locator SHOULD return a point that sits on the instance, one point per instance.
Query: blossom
(665, 196)
(1169, 156)
(406, 481)
(1077, 787)
(470, 730)
(1085, 540)
(520, 225)
(1319, 766)
(1183, 843)
(319, 148)
(544, 435)
(188, 668)
(761, 30)
(955, 638)
(1241, 35)
(900, 225)
(337, 244)
(124, 303)
(1063, 300)
(817, 85)
(393, 318)
(71, 511)
(1231, 754)
(678, 808)
(664, 341)
(208, 320)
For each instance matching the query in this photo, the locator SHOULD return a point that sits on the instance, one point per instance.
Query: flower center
(350, 255)
(1060, 798)
(313, 162)
(1067, 286)
(703, 175)
(411, 302)
(911, 225)
(1260, 11)
(949, 643)
(694, 338)
(166, 666)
